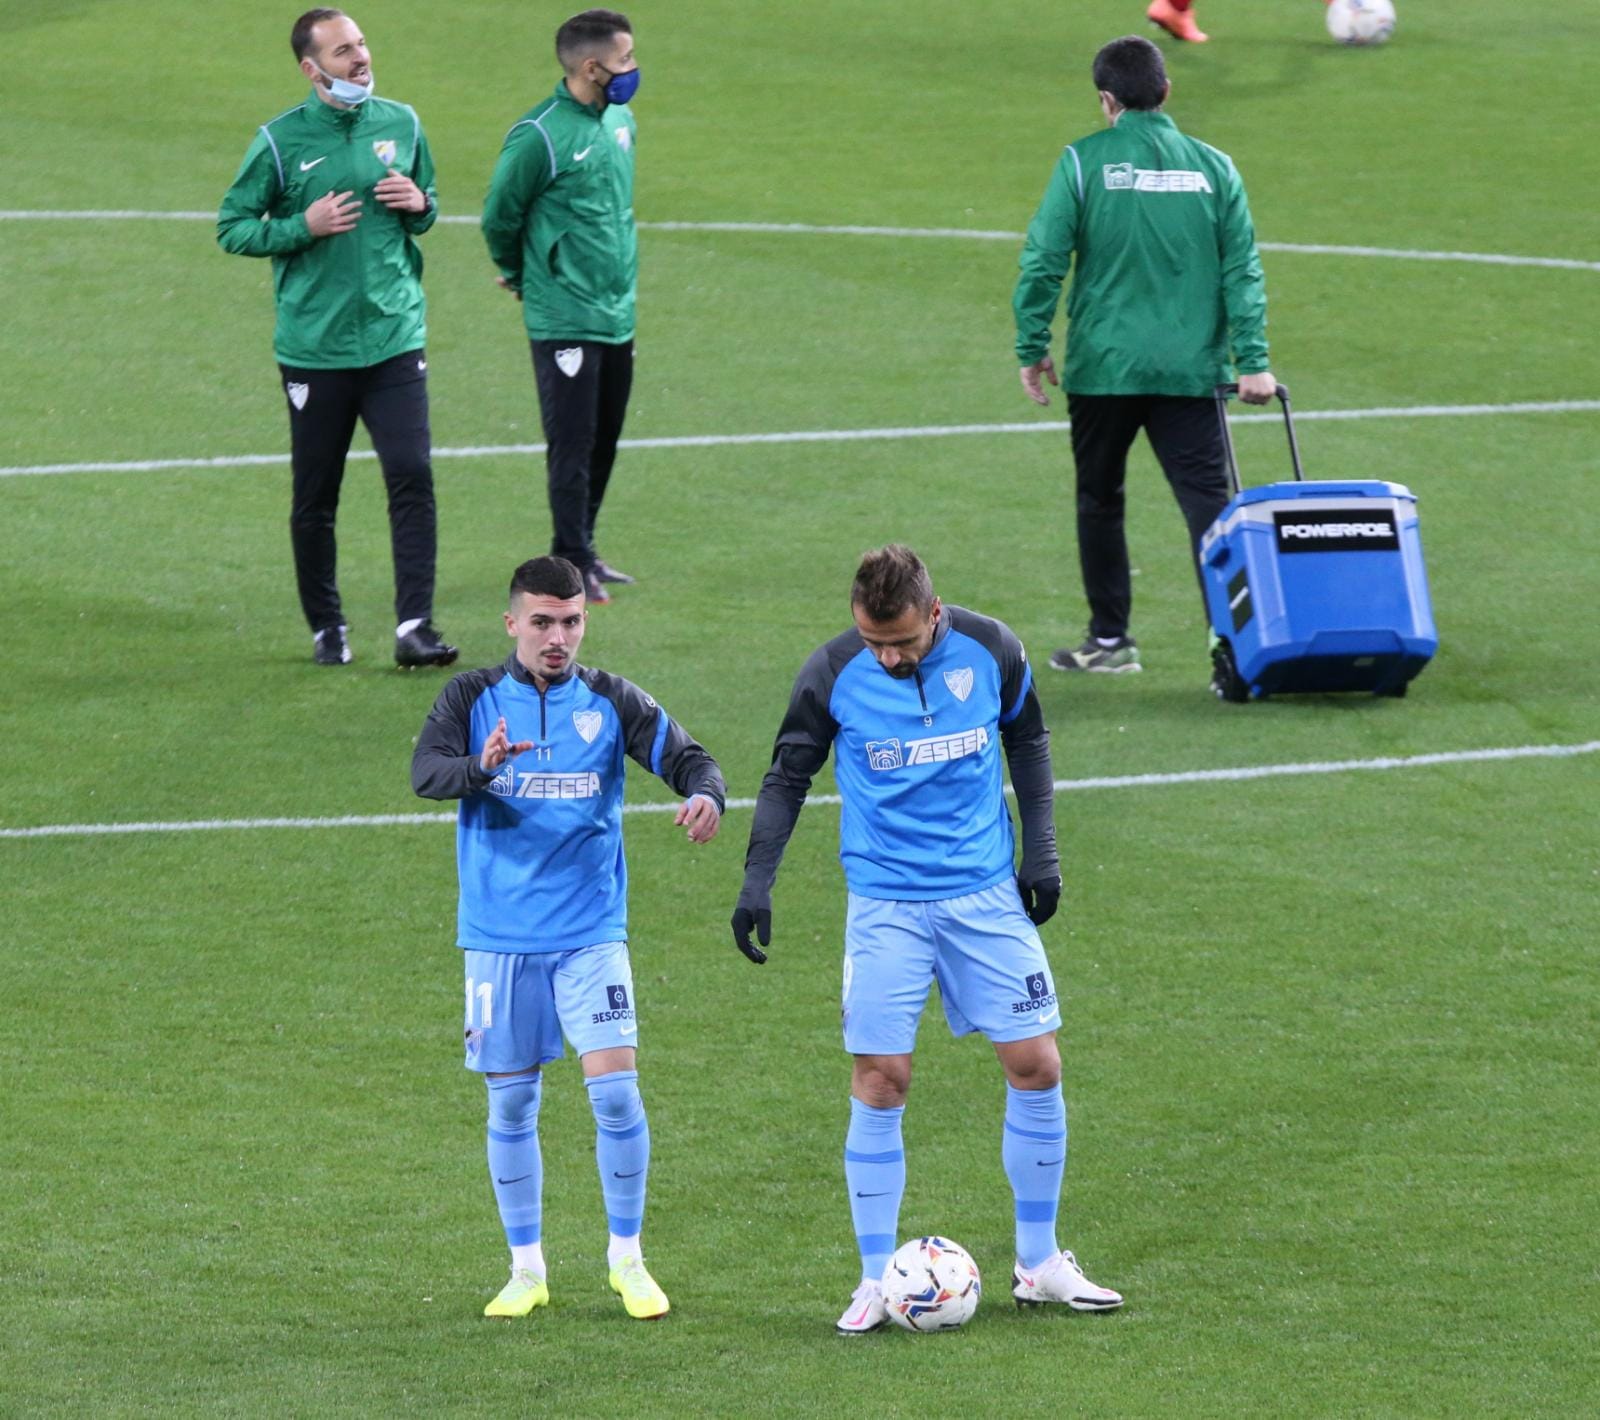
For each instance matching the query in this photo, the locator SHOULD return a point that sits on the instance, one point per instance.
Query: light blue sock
(621, 1148)
(1034, 1151)
(875, 1174)
(515, 1163)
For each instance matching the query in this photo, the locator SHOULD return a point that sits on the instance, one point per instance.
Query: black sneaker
(595, 593)
(1092, 656)
(422, 646)
(605, 572)
(329, 648)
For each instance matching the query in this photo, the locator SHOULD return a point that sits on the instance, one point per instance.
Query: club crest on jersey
(960, 682)
(298, 394)
(624, 139)
(884, 754)
(587, 724)
(570, 361)
(384, 150)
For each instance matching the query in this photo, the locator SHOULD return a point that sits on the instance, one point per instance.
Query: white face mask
(342, 89)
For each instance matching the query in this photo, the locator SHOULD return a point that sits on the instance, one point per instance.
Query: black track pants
(583, 399)
(391, 399)
(1188, 445)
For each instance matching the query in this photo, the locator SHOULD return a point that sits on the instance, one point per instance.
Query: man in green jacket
(1167, 289)
(559, 224)
(335, 190)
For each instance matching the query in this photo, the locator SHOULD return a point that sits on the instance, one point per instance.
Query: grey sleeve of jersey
(657, 742)
(804, 739)
(443, 765)
(1027, 744)
(1026, 740)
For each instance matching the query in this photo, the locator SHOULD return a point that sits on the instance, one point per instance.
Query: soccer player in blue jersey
(916, 701)
(534, 749)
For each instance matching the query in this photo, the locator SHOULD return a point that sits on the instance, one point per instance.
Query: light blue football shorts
(982, 950)
(521, 1004)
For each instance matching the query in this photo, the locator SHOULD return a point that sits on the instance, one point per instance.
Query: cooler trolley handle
(1282, 391)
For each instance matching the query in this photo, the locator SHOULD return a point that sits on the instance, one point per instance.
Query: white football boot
(1060, 1279)
(866, 1311)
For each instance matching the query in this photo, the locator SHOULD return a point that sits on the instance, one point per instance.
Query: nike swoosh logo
(306, 167)
(1053, 1016)
(579, 157)
(884, 1194)
(1050, 1163)
(517, 1179)
(626, 1030)
(634, 1174)
(422, 365)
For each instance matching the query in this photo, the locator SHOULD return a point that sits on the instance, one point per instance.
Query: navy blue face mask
(621, 87)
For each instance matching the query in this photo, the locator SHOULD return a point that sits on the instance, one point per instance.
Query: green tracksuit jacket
(1166, 279)
(353, 299)
(559, 219)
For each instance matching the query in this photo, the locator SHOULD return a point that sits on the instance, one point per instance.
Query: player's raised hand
(700, 816)
(505, 285)
(1032, 377)
(1040, 899)
(332, 213)
(497, 749)
(753, 914)
(397, 191)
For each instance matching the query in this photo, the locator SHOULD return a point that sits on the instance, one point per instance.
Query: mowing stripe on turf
(820, 436)
(822, 229)
(1062, 786)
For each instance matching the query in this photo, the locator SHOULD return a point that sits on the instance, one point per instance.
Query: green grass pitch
(1329, 1040)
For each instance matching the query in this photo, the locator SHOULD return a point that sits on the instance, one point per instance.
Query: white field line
(1062, 786)
(969, 234)
(819, 436)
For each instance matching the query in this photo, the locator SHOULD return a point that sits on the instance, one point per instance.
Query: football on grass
(1361, 21)
(931, 1284)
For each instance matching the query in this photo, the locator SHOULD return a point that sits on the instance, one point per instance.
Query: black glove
(753, 918)
(1040, 899)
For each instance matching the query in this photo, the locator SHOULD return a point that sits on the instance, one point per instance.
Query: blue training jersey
(539, 843)
(918, 764)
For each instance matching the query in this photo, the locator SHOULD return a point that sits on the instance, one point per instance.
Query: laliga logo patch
(617, 998)
(569, 362)
(384, 151)
(960, 682)
(1036, 985)
(298, 394)
(587, 724)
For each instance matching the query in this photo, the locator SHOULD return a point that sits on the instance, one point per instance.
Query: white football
(1361, 21)
(931, 1284)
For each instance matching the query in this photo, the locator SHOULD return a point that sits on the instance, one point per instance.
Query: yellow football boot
(644, 1300)
(520, 1295)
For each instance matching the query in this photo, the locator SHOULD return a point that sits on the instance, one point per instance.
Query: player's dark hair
(300, 35)
(1132, 71)
(890, 581)
(548, 577)
(586, 32)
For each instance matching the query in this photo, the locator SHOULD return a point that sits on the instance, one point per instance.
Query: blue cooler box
(1315, 586)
